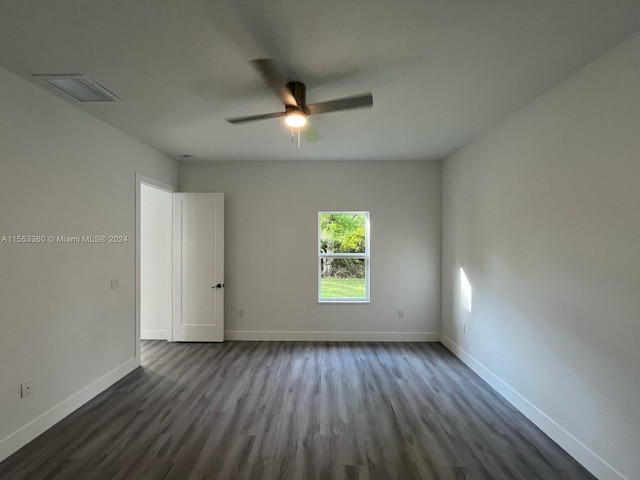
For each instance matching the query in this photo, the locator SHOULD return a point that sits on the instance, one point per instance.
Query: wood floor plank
(295, 411)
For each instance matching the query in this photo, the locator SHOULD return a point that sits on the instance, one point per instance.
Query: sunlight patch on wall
(465, 291)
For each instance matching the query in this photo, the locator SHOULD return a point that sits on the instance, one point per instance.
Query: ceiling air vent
(79, 87)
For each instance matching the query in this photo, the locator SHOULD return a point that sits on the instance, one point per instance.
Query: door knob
(219, 285)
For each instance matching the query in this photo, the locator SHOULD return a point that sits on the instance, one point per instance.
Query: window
(343, 257)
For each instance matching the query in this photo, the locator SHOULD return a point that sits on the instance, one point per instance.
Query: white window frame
(366, 256)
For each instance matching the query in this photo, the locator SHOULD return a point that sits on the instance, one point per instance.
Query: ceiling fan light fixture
(296, 119)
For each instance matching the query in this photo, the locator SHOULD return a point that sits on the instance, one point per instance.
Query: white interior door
(198, 267)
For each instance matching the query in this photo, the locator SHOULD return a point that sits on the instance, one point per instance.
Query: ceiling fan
(293, 96)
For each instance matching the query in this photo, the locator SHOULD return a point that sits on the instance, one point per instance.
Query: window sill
(344, 301)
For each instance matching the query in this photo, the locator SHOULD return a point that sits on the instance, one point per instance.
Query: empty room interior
(320, 240)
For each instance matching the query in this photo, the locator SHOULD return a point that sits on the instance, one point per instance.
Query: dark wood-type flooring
(295, 410)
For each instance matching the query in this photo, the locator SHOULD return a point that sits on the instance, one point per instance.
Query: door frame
(140, 180)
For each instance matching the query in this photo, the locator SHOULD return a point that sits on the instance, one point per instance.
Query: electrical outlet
(240, 313)
(464, 328)
(400, 313)
(115, 283)
(26, 388)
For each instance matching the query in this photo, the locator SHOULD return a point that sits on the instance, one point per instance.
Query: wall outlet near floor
(464, 328)
(240, 313)
(26, 388)
(115, 283)
(400, 313)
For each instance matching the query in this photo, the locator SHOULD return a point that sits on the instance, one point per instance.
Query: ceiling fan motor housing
(299, 92)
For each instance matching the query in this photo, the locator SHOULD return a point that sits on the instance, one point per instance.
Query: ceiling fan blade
(347, 103)
(253, 118)
(273, 76)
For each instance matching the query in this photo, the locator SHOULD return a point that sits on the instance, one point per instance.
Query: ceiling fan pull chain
(291, 134)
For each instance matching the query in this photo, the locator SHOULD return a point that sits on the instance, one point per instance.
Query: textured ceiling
(441, 71)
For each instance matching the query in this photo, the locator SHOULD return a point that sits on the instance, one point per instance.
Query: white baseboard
(270, 335)
(42, 423)
(578, 450)
(147, 334)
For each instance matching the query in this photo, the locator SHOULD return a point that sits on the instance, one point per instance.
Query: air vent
(79, 87)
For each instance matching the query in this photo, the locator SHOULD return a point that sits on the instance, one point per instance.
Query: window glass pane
(342, 233)
(342, 278)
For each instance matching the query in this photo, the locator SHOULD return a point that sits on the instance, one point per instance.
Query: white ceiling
(441, 71)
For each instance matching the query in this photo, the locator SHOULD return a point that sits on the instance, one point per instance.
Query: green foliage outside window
(342, 233)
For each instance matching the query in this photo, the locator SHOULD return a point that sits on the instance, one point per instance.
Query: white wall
(63, 172)
(543, 213)
(271, 246)
(155, 262)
